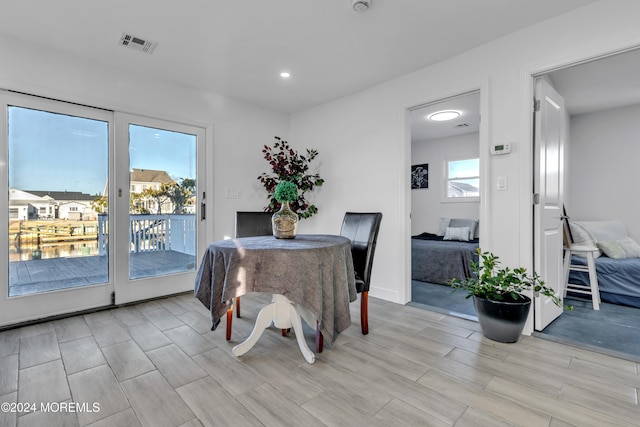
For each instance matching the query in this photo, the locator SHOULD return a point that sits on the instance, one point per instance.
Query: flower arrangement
(286, 191)
(287, 165)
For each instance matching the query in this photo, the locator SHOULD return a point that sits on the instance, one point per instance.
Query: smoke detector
(137, 43)
(360, 5)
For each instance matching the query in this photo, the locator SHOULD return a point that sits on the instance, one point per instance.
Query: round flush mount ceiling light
(285, 75)
(442, 116)
(360, 5)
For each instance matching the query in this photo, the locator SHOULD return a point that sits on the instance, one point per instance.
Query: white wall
(427, 205)
(603, 165)
(363, 138)
(236, 131)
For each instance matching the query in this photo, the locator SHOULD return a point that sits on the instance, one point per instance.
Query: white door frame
(486, 229)
(527, 84)
(127, 290)
(40, 305)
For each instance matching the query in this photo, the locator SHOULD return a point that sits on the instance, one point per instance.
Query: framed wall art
(420, 176)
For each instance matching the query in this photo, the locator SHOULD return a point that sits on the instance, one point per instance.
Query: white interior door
(159, 193)
(549, 138)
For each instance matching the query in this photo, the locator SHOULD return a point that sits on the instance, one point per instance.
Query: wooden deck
(34, 276)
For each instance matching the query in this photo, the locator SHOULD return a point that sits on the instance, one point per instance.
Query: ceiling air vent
(137, 43)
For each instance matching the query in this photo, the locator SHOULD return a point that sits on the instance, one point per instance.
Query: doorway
(602, 103)
(445, 196)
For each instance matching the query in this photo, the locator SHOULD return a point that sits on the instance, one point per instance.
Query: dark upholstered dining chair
(249, 224)
(362, 229)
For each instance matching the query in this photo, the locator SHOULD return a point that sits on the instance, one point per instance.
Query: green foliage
(499, 284)
(287, 165)
(100, 204)
(179, 194)
(160, 195)
(286, 191)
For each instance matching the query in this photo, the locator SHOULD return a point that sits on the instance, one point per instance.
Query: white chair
(591, 289)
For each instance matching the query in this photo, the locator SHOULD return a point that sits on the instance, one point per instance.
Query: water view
(59, 200)
(28, 252)
(45, 239)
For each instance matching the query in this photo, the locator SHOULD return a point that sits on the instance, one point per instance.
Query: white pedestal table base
(283, 314)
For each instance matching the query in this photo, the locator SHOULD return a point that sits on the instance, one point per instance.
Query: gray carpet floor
(613, 330)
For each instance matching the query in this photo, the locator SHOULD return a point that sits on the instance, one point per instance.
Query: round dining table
(310, 276)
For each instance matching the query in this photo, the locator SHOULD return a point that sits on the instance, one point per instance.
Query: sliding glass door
(162, 184)
(99, 207)
(55, 164)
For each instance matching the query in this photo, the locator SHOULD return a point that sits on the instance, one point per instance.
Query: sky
(464, 168)
(57, 152)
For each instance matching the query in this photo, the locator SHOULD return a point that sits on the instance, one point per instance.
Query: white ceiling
(467, 105)
(238, 48)
(610, 82)
(595, 85)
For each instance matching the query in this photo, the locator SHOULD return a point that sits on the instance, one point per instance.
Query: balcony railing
(154, 233)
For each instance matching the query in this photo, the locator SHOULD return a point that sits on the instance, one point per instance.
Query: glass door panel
(160, 189)
(55, 164)
(162, 214)
(58, 169)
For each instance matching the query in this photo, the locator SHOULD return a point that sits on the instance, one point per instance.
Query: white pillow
(463, 222)
(619, 249)
(442, 228)
(604, 231)
(583, 237)
(630, 246)
(457, 233)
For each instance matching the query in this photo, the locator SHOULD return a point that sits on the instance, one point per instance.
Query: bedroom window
(462, 179)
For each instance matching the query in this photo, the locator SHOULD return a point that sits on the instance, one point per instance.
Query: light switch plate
(232, 193)
(502, 183)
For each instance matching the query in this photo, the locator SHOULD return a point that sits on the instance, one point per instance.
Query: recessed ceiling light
(285, 75)
(360, 5)
(441, 116)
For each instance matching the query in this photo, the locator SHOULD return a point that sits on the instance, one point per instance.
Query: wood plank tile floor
(158, 364)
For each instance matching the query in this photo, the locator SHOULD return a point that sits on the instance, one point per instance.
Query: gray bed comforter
(436, 261)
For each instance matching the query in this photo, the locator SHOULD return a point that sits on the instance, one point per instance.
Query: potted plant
(285, 221)
(288, 165)
(497, 295)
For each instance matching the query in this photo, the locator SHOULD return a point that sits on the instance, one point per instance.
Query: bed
(438, 258)
(618, 279)
(617, 264)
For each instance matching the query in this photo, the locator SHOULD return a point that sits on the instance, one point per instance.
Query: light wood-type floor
(157, 364)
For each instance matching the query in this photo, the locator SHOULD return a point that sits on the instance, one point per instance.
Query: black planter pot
(502, 321)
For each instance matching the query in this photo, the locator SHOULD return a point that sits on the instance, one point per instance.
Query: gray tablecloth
(315, 271)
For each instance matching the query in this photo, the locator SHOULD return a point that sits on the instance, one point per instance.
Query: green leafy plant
(286, 191)
(179, 194)
(288, 165)
(491, 282)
